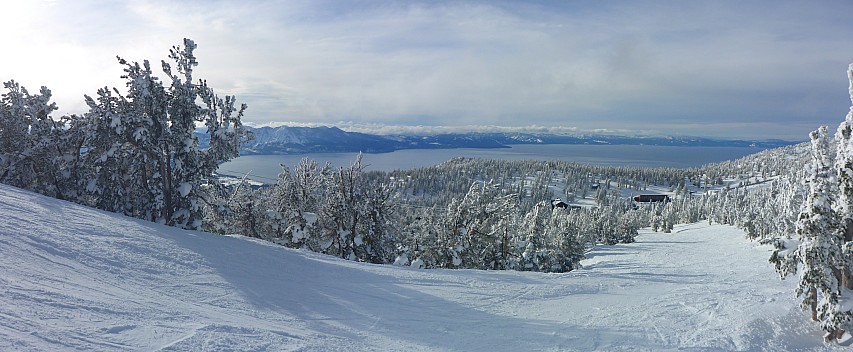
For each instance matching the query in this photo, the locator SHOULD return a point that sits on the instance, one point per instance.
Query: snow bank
(73, 278)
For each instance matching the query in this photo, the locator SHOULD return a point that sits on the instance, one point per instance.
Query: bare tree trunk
(846, 279)
(813, 302)
(505, 249)
(166, 165)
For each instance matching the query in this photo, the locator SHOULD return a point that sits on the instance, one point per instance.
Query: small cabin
(652, 198)
(559, 203)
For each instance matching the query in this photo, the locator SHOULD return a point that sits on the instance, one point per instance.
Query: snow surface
(74, 278)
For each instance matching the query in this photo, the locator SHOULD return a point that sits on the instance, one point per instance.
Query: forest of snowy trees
(464, 213)
(135, 152)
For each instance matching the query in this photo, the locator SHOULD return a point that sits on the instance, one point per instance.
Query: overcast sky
(738, 69)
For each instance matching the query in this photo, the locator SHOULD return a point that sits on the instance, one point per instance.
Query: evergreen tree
(820, 250)
(844, 169)
(479, 226)
(222, 120)
(567, 244)
(295, 202)
(844, 203)
(37, 151)
(426, 241)
(534, 228)
(143, 155)
(354, 217)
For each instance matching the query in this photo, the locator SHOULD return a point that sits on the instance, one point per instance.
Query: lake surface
(265, 168)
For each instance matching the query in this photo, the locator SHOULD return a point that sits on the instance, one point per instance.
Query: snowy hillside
(74, 278)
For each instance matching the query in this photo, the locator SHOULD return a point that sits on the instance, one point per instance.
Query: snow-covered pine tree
(336, 218)
(567, 248)
(14, 128)
(426, 237)
(121, 145)
(844, 203)
(628, 224)
(503, 223)
(476, 228)
(605, 224)
(294, 203)
(791, 198)
(378, 230)
(787, 198)
(247, 210)
(669, 216)
(193, 166)
(37, 151)
(354, 217)
(531, 242)
(488, 219)
(141, 152)
(104, 170)
(844, 169)
(820, 247)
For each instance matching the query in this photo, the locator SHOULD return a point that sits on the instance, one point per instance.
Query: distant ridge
(302, 140)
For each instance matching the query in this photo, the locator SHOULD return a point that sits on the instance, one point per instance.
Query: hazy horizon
(421, 130)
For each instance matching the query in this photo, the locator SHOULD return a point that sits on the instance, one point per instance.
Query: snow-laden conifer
(295, 200)
(568, 243)
(141, 151)
(36, 149)
(844, 169)
(820, 249)
(843, 206)
(480, 224)
(533, 239)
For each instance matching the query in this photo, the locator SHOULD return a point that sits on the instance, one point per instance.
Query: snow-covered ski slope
(74, 278)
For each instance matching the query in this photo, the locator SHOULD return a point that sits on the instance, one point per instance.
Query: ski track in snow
(74, 278)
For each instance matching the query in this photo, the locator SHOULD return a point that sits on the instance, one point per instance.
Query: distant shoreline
(286, 140)
(266, 168)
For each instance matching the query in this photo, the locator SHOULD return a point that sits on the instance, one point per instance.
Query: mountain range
(302, 140)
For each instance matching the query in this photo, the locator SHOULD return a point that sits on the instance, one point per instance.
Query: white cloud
(614, 65)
